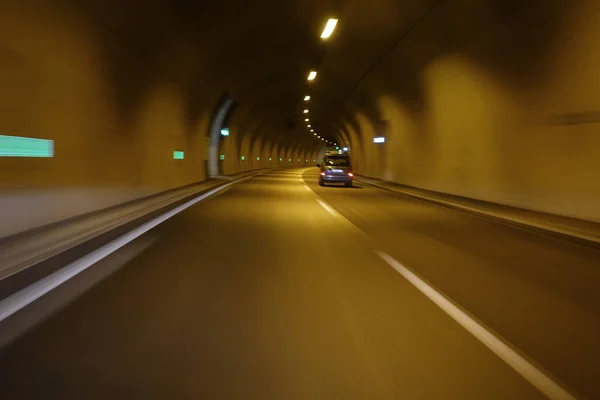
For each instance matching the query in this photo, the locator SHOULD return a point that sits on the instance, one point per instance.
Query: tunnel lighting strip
(532, 374)
(17, 301)
(306, 98)
(312, 75)
(329, 28)
(17, 146)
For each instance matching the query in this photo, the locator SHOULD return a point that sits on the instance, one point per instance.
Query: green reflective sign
(222, 157)
(257, 158)
(270, 158)
(16, 146)
(225, 132)
(243, 158)
(178, 155)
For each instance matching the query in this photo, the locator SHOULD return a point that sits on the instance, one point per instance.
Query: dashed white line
(307, 188)
(527, 370)
(327, 208)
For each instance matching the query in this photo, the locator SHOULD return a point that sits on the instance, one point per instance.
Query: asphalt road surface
(275, 290)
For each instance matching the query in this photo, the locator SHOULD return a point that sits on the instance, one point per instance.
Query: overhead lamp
(312, 130)
(312, 75)
(306, 119)
(306, 98)
(315, 134)
(319, 137)
(305, 111)
(329, 28)
(308, 125)
(379, 139)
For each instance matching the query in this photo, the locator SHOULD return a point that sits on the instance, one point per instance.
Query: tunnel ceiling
(260, 52)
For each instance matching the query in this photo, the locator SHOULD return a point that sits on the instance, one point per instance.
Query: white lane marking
(31, 293)
(42, 310)
(527, 370)
(326, 207)
(307, 188)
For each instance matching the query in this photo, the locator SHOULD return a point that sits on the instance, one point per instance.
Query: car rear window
(339, 161)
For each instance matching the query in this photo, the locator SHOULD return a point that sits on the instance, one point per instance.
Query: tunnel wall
(114, 117)
(505, 109)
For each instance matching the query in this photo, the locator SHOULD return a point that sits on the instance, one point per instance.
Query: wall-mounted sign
(379, 139)
(178, 155)
(225, 132)
(16, 146)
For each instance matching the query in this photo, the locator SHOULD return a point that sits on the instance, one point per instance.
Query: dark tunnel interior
(472, 130)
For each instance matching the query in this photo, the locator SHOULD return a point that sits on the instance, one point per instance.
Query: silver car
(336, 169)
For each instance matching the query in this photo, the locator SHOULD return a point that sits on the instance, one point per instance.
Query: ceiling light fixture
(329, 28)
(306, 98)
(305, 111)
(312, 75)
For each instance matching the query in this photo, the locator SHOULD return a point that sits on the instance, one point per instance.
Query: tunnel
(183, 142)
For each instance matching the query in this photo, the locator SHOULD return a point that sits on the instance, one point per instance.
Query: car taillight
(350, 174)
(323, 173)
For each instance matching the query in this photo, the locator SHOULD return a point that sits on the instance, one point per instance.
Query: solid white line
(307, 188)
(527, 370)
(29, 294)
(326, 207)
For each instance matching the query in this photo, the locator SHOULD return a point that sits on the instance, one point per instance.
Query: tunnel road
(281, 289)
